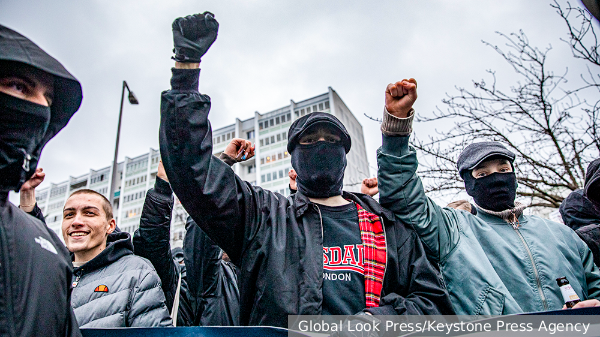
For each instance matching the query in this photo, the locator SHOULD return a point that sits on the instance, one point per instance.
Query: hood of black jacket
(592, 183)
(577, 211)
(15, 47)
(117, 245)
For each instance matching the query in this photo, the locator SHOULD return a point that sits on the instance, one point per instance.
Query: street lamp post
(132, 100)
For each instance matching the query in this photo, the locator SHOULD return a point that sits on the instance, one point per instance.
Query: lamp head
(132, 98)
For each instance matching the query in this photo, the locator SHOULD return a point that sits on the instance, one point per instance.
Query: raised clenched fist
(400, 97)
(193, 35)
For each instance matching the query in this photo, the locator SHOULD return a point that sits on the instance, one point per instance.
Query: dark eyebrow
(85, 208)
(22, 78)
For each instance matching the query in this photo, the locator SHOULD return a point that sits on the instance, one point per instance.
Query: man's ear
(112, 224)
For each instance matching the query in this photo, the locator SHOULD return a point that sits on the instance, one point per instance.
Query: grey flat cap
(476, 153)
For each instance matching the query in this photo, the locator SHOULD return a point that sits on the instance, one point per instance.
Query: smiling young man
(498, 261)
(38, 97)
(111, 286)
(318, 251)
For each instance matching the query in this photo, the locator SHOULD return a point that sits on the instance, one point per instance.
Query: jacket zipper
(76, 280)
(535, 271)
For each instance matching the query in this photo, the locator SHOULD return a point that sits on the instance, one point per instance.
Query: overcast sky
(267, 53)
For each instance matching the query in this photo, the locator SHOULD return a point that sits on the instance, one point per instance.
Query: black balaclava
(23, 126)
(320, 167)
(591, 189)
(495, 192)
(26, 127)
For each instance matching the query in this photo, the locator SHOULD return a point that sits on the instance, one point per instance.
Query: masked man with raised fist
(319, 251)
(499, 261)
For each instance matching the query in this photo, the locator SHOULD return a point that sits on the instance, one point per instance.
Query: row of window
(275, 121)
(283, 191)
(41, 196)
(133, 212)
(275, 175)
(274, 157)
(102, 190)
(137, 166)
(135, 196)
(155, 160)
(55, 205)
(223, 138)
(135, 181)
(97, 179)
(273, 139)
(58, 191)
(314, 108)
(177, 236)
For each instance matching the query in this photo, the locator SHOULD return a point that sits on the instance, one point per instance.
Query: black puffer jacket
(276, 241)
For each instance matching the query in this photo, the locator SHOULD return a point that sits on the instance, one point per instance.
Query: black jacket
(578, 211)
(276, 241)
(151, 241)
(35, 266)
(209, 294)
(35, 277)
(212, 280)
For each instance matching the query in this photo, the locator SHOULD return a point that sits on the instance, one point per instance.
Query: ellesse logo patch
(101, 289)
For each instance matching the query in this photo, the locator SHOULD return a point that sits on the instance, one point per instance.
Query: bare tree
(553, 131)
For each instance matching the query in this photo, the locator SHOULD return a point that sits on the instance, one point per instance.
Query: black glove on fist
(193, 35)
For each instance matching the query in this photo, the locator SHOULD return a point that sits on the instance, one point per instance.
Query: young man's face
(490, 166)
(27, 83)
(85, 226)
(319, 134)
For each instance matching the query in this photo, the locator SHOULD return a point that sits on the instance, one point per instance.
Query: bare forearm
(184, 65)
(27, 200)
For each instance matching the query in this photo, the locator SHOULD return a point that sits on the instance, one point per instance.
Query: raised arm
(400, 188)
(221, 203)
(152, 239)
(27, 200)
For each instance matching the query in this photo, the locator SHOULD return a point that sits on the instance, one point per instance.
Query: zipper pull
(26, 161)
(76, 281)
(515, 221)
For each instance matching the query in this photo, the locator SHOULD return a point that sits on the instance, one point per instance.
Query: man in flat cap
(498, 261)
(38, 96)
(319, 251)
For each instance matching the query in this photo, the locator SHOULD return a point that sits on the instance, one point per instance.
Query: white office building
(268, 169)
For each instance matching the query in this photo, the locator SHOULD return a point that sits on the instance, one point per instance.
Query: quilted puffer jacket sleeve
(147, 303)
(402, 192)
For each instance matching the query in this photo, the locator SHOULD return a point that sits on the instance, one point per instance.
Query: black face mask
(22, 128)
(320, 167)
(495, 192)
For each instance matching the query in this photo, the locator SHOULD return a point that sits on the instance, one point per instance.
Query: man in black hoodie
(319, 251)
(581, 210)
(38, 96)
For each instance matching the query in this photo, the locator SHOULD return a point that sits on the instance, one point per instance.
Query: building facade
(268, 169)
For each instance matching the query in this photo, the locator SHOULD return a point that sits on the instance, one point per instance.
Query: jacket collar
(117, 245)
(301, 203)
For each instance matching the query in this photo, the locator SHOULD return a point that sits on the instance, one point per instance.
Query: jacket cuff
(394, 126)
(227, 159)
(162, 187)
(185, 79)
(395, 146)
